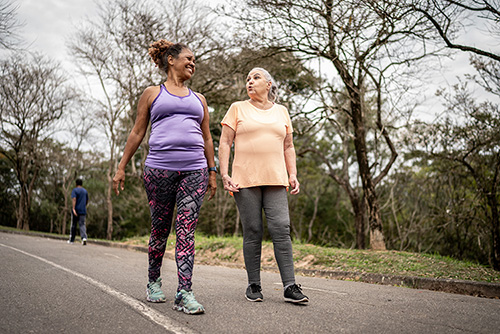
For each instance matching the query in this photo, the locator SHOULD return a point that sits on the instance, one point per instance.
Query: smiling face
(257, 85)
(184, 65)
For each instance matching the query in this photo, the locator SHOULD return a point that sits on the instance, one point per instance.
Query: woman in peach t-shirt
(263, 167)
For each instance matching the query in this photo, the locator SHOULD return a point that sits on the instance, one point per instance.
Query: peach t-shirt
(259, 156)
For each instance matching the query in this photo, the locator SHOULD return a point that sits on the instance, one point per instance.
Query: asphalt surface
(49, 286)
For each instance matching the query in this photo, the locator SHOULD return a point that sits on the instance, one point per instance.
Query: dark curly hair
(161, 49)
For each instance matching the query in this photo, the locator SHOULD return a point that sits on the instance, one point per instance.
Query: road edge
(470, 288)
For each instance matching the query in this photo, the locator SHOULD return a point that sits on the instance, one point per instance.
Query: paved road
(48, 286)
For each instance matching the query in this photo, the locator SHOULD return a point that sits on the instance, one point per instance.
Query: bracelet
(212, 169)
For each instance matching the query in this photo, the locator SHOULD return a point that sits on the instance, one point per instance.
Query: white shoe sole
(154, 300)
(185, 310)
(254, 300)
(303, 300)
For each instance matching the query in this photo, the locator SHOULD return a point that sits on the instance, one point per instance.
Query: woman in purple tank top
(179, 169)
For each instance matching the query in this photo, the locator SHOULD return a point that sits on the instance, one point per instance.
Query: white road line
(112, 255)
(320, 290)
(140, 307)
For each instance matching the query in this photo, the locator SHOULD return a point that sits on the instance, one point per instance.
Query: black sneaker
(253, 293)
(293, 294)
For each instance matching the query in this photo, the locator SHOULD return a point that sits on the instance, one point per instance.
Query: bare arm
(74, 206)
(226, 141)
(209, 147)
(136, 136)
(290, 161)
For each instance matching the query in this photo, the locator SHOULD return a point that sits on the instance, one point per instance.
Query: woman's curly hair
(161, 49)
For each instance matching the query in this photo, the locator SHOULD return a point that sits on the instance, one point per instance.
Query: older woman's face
(257, 85)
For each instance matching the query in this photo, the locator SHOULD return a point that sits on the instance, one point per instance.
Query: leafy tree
(222, 81)
(33, 96)
(467, 137)
(364, 42)
(114, 50)
(8, 193)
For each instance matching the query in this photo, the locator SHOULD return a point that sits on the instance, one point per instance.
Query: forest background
(379, 167)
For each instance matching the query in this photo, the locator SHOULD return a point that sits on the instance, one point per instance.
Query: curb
(470, 288)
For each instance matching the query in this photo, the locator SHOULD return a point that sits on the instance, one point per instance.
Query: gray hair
(272, 95)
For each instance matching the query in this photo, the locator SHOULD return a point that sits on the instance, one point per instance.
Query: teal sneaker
(154, 293)
(185, 302)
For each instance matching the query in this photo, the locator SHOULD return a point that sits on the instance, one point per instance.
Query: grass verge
(228, 250)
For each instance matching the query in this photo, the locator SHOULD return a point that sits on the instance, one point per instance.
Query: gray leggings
(273, 200)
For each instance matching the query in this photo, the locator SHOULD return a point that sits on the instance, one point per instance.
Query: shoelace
(189, 297)
(155, 287)
(255, 288)
(296, 288)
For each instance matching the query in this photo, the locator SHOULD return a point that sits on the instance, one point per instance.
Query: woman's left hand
(212, 185)
(294, 184)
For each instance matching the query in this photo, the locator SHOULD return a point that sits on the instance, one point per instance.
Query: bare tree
(364, 41)
(448, 17)
(8, 25)
(114, 50)
(33, 96)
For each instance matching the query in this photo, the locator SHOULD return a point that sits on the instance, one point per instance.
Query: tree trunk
(359, 209)
(313, 218)
(495, 230)
(109, 202)
(23, 211)
(376, 235)
(65, 213)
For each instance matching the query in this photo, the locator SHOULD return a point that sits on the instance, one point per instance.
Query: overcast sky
(48, 23)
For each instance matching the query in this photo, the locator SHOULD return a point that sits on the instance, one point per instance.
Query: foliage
(8, 194)
(34, 94)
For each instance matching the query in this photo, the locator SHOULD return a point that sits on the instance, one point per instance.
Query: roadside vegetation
(229, 251)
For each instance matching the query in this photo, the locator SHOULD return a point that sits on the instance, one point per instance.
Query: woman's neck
(263, 104)
(174, 81)
(175, 86)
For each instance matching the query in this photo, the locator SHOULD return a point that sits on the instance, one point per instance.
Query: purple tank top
(176, 140)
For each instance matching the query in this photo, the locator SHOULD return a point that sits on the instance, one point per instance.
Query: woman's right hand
(119, 181)
(229, 185)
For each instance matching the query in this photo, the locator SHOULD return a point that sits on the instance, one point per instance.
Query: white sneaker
(70, 242)
(84, 242)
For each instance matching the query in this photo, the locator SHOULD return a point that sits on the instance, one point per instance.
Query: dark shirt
(82, 197)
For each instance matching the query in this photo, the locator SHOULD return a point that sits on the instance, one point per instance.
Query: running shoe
(154, 293)
(253, 293)
(293, 294)
(185, 302)
(84, 242)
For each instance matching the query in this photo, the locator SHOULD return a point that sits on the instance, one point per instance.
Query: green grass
(228, 250)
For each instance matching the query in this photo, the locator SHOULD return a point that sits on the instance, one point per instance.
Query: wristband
(212, 169)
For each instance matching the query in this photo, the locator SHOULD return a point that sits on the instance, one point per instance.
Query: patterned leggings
(165, 189)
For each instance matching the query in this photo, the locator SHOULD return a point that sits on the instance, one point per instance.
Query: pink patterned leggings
(165, 189)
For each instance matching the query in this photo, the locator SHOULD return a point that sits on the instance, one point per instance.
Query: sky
(49, 23)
